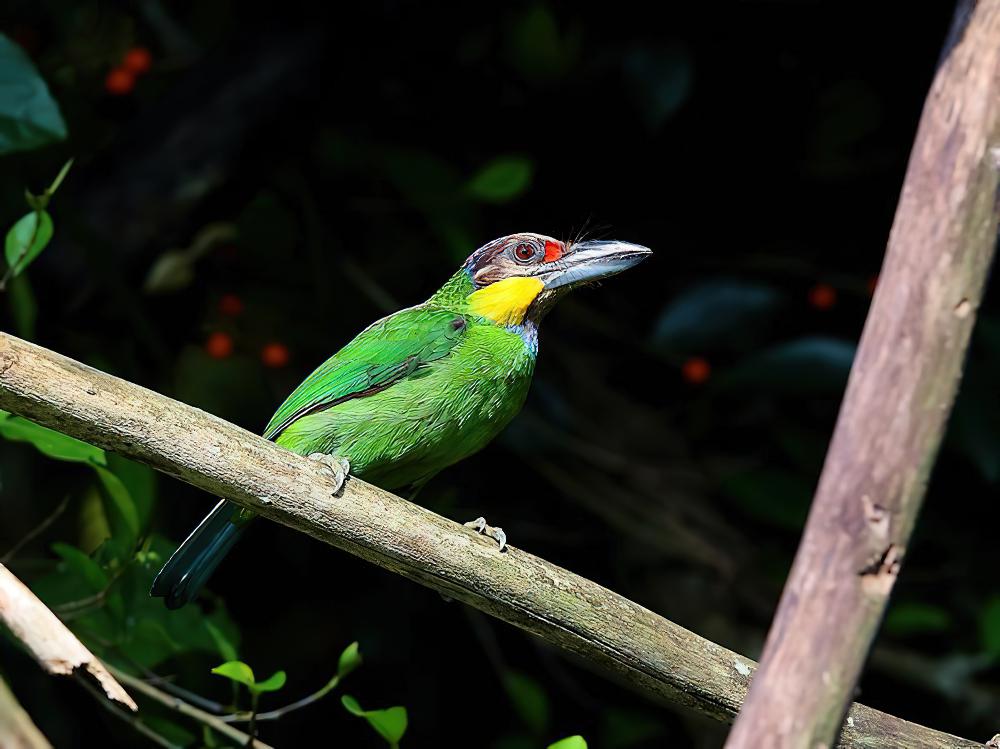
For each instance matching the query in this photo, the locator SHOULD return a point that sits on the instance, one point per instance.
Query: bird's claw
(339, 467)
(497, 534)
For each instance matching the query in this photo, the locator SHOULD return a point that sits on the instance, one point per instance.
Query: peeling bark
(54, 647)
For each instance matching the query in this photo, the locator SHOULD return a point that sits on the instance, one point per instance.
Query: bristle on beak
(587, 262)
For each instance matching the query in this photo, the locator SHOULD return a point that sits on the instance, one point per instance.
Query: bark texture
(16, 729)
(652, 654)
(54, 647)
(898, 398)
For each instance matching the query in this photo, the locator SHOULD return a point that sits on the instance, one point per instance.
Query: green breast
(445, 411)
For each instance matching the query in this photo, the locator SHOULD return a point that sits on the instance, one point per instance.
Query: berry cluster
(121, 78)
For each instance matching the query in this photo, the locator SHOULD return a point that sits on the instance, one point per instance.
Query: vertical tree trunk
(898, 398)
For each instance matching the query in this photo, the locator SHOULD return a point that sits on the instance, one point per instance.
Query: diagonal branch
(901, 389)
(54, 647)
(215, 722)
(16, 728)
(654, 655)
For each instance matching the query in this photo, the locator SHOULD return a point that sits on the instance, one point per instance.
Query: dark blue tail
(196, 559)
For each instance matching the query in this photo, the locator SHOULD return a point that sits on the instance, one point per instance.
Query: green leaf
(236, 671)
(87, 568)
(570, 742)
(724, 313)
(502, 180)
(140, 480)
(916, 618)
(659, 78)
(390, 723)
(272, 683)
(118, 506)
(530, 700)
(226, 648)
(208, 737)
(350, 659)
(26, 239)
(241, 673)
(29, 116)
(807, 366)
(23, 307)
(538, 50)
(50, 442)
(352, 706)
(171, 271)
(147, 642)
(989, 626)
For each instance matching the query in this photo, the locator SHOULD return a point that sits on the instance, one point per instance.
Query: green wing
(386, 352)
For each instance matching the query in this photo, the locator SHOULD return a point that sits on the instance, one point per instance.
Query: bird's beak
(591, 261)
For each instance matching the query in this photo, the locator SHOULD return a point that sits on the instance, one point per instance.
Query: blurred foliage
(389, 723)
(29, 117)
(570, 742)
(253, 187)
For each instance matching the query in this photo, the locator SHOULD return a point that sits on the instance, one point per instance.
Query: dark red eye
(524, 252)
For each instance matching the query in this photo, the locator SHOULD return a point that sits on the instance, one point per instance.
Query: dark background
(756, 147)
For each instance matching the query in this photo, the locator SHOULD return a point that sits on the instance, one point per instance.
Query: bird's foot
(339, 467)
(497, 534)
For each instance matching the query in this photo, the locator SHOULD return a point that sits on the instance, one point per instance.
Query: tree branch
(54, 647)
(652, 654)
(215, 722)
(898, 398)
(16, 729)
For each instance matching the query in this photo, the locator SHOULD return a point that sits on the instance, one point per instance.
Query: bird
(420, 389)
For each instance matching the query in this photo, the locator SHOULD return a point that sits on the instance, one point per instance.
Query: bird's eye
(524, 252)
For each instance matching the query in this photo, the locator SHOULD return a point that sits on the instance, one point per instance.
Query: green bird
(420, 389)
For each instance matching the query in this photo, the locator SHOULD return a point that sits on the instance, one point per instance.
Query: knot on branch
(7, 360)
(877, 578)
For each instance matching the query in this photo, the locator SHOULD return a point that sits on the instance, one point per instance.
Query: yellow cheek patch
(505, 302)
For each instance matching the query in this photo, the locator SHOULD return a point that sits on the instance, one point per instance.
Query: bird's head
(523, 275)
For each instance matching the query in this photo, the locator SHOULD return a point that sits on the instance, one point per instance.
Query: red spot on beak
(553, 251)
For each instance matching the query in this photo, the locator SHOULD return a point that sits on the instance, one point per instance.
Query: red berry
(696, 370)
(231, 305)
(119, 81)
(219, 345)
(274, 354)
(822, 296)
(138, 60)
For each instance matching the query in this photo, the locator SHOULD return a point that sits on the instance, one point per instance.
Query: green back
(386, 352)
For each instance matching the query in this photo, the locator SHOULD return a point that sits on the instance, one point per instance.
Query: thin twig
(73, 609)
(133, 720)
(182, 707)
(36, 531)
(185, 694)
(291, 707)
